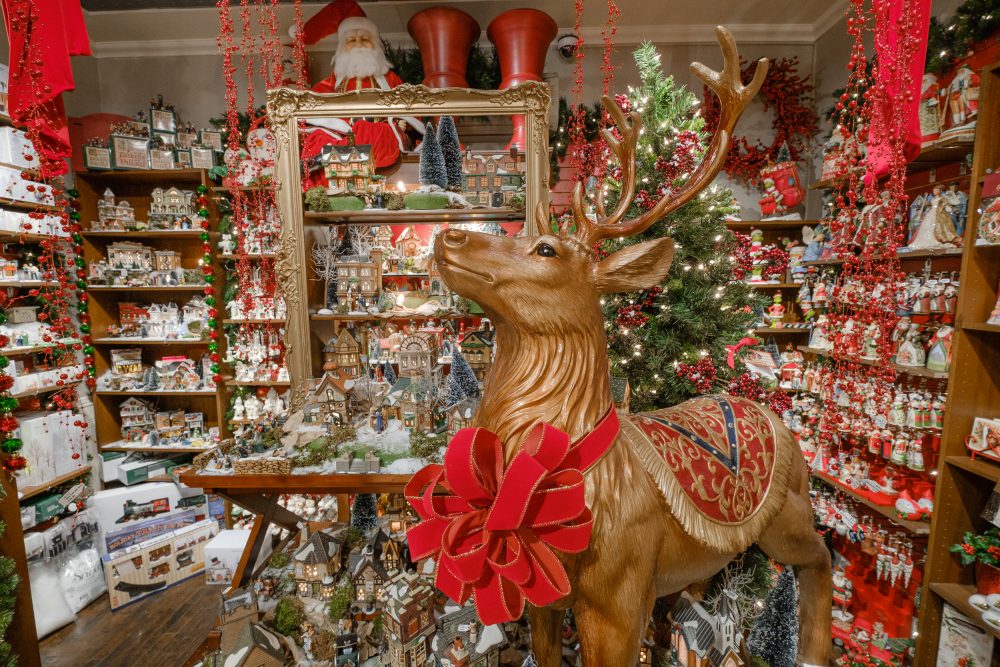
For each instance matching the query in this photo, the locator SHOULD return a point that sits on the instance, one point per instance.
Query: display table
(259, 495)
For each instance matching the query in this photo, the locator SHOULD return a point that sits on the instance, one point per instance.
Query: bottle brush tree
(451, 149)
(432, 165)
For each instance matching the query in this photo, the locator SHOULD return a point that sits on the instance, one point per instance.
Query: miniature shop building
(368, 578)
(167, 260)
(359, 276)
(130, 256)
(348, 168)
(257, 647)
(477, 348)
(465, 642)
(344, 352)
(112, 215)
(408, 244)
(327, 402)
(461, 414)
(416, 356)
(704, 640)
(137, 418)
(409, 620)
(238, 611)
(383, 237)
(316, 562)
(491, 180)
(171, 201)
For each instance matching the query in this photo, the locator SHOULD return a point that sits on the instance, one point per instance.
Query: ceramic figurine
(814, 239)
(227, 245)
(871, 336)
(776, 312)
(936, 229)
(819, 337)
(959, 207)
(238, 409)
(939, 355)
(911, 351)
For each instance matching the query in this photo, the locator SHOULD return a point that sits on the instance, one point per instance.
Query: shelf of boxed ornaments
(916, 371)
(170, 449)
(915, 527)
(32, 491)
(980, 467)
(152, 177)
(413, 217)
(34, 349)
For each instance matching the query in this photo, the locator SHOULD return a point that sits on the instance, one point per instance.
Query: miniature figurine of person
(776, 312)
(379, 421)
(238, 409)
(959, 203)
(911, 351)
(936, 228)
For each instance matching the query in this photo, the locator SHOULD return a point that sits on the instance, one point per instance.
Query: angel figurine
(936, 229)
(814, 239)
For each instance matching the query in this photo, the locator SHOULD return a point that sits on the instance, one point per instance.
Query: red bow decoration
(495, 529)
(731, 350)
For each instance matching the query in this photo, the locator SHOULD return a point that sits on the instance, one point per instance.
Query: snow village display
(130, 264)
(161, 321)
(144, 425)
(169, 374)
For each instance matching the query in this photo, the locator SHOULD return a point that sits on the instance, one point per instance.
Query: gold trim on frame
(287, 107)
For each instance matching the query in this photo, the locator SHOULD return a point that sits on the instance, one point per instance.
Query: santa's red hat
(329, 20)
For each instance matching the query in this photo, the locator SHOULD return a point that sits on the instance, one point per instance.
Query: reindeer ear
(635, 267)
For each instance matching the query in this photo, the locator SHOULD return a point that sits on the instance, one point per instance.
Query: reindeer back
(721, 463)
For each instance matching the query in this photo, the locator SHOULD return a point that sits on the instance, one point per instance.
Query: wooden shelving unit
(32, 491)
(136, 187)
(964, 485)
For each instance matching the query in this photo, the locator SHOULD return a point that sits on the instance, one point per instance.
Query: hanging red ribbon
(731, 350)
(495, 529)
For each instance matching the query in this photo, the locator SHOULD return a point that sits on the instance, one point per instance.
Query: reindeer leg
(791, 540)
(610, 632)
(546, 635)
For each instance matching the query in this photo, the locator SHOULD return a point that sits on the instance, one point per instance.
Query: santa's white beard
(359, 63)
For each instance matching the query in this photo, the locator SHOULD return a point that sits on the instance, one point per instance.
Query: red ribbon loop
(494, 528)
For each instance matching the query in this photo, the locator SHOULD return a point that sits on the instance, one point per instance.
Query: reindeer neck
(561, 379)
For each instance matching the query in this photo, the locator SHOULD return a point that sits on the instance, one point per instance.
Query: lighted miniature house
(130, 256)
(465, 642)
(704, 640)
(171, 201)
(167, 260)
(477, 348)
(112, 215)
(348, 168)
(409, 620)
(344, 352)
(138, 419)
(491, 180)
(416, 356)
(328, 400)
(359, 277)
(461, 415)
(316, 560)
(408, 244)
(368, 578)
(383, 238)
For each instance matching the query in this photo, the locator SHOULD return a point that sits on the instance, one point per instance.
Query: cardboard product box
(202, 158)
(16, 149)
(68, 438)
(12, 186)
(156, 564)
(97, 158)
(116, 507)
(122, 537)
(161, 159)
(109, 465)
(222, 555)
(47, 506)
(135, 470)
(129, 152)
(39, 449)
(4, 75)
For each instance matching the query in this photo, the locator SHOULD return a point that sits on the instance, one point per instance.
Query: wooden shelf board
(226, 189)
(146, 288)
(982, 326)
(782, 330)
(151, 341)
(196, 392)
(941, 151)
(905, 370)
(405, 275)
(328, 484)
(26, 284)
(359, 317)
(407, 217)
(900, 254)
(915, 527)
(152, 177)
(957, 595)
(769, 225)
(257, 383)
(32, 491)
(30, 206)
(144, 234)
(265, 255)
(265, 321)
(45, 390)
(7, 236)
(980, 466)
(32, 349)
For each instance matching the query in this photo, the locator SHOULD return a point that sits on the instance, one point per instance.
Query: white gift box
(222, 555)
(12, 186)
(15, 147)
(20, 222)
(39, 449)
(69, 439)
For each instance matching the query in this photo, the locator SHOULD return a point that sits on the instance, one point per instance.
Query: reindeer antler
(733, 97)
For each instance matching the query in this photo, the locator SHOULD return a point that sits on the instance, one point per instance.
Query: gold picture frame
(287, 107)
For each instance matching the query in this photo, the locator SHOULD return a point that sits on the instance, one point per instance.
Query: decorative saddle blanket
(717, 462)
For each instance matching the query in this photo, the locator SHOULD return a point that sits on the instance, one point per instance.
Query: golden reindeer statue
(681, 491)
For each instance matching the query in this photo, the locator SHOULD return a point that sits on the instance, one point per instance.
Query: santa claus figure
(358, 63)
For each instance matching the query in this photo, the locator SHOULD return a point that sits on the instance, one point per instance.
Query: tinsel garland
(789, 97)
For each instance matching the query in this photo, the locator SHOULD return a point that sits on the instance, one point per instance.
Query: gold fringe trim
(723, 537)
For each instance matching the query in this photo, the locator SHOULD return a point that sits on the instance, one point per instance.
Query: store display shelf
(914, 371)
(260, 321)
(957, 595)
(145, 288)
(150, 341)
(152, 177)
(32, 491)
(193, 392)
(114, 447)
(941, 151)
(144, 234)
(982, 326)
(7, 236)
(25, 284)
(5, 120)
(900, 254)
(227, 189)
(775, 285)
(361, 317)
(770, 225)
(981, 466)
(317, 483)
(33, 349)
(915, 527)
(45, 390)
(406, 217)
(257, 383)
(30, 206)
(263, 255)
(781, 330)
(405, 275)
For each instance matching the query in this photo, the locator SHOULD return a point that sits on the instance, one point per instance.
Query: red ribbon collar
(495, 529)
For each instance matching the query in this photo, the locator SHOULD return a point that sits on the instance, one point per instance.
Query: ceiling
(126, 28)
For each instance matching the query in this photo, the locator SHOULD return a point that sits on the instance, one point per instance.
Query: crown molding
(833, 15)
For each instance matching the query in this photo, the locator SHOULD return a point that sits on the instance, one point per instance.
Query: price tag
(72, 494)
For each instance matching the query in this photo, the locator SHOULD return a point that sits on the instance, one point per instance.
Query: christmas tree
(389, 373)
(699, 309)
(432, 165)
(775, 636)
(451, 148)
(364, 512)
(463, 378)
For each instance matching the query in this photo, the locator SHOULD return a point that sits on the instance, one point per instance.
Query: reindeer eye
(545, 250)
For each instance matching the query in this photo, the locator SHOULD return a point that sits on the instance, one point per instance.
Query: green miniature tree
(317, 200)
(775, 635)
(340, 601)
(427, 446)
(432, 165)
(278, 560)
(289, 614)
(451, 149)
(364, 512)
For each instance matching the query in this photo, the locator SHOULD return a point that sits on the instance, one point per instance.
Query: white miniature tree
(362, 240)
(324, 256)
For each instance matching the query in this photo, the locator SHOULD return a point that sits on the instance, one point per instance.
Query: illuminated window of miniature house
(360, 593)
(303, 588)
(645, 656)
(326, 589)
(379, 594)
(396, 525)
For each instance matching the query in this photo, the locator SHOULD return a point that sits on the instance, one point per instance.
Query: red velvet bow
(495, 529)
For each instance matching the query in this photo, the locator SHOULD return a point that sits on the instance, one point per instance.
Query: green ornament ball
(88, 349)
(3, 317)
(4, 362)
(209, 279)
(8, 404)
(202, 189)
(213, 347)
(212, 324)
(210, 300)
(208, 258)
(215, 368)
(204, 236)
(73, 193)
(79, 261)
(12, 445)
(203, 212)
(85, 328)
(75, 215)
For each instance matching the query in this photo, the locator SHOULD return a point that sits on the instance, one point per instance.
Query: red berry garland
(702, 374)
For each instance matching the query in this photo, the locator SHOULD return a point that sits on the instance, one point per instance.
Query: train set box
(153, 565)
(122, 507)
